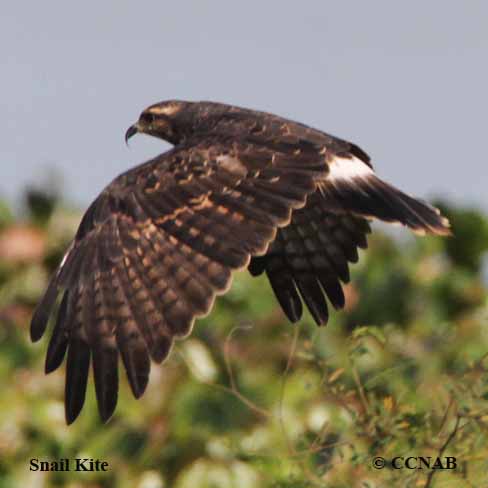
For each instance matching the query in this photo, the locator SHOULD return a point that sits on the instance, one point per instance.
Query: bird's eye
(147, 118)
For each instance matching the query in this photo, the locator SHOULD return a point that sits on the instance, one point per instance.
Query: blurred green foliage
(252, 401)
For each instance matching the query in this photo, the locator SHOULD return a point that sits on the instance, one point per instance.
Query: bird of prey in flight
(239, 189)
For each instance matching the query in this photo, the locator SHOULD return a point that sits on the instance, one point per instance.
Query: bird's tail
(356, 189)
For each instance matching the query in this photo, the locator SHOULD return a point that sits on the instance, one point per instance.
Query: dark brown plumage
(240, 189)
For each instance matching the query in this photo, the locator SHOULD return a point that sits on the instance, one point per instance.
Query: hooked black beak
(132, 130)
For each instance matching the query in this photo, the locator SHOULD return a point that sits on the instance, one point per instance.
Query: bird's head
(165, 120)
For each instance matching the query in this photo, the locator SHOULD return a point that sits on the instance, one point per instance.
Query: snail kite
(239, 189)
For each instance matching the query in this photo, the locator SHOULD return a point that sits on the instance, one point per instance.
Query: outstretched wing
(309, 258)
(155, 248)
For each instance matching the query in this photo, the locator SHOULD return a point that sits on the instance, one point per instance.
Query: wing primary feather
(186, 281)
(130, 341)
(79, 353)
(333, 289)
(103, 342)
(157, 334)
(177, 310)
(285, 290)
(78, 363)
(147, 316)
(313, 297)
(59, 340)
(105, 372)
(43, 310)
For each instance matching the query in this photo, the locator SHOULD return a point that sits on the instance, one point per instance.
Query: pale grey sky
(407, 81)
